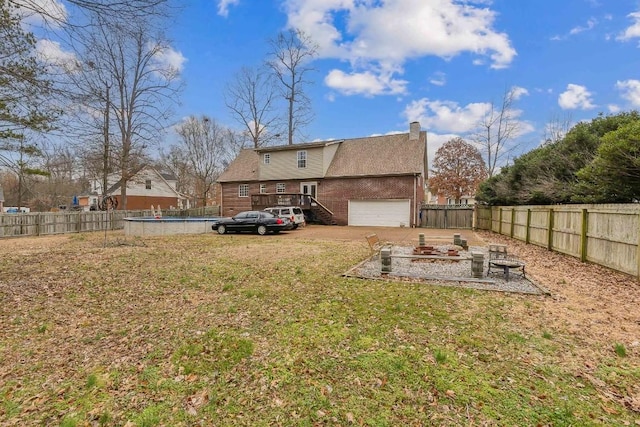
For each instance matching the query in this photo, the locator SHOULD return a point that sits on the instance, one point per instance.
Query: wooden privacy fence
(446, 216)
(48, 223)
(607, 235)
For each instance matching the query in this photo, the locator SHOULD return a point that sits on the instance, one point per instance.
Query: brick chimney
(414, 131)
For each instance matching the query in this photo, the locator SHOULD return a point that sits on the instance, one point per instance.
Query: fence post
(550, 234)
(513, 220)
(500, 222)
(490, 218)
(638, 247)
(528, 231)
(583, 235)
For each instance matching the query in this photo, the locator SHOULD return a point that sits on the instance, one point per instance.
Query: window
(147, 184)
(243, 190)
(302, 159)
(266, 158)
(280, 187)
(263, 188)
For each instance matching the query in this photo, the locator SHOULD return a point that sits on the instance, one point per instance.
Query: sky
(385, 63)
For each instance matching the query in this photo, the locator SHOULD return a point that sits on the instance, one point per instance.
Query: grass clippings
(249, 330)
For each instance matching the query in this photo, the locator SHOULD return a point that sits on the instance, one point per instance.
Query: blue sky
(384, 63)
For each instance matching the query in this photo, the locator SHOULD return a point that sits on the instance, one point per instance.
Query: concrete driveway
(389, 234)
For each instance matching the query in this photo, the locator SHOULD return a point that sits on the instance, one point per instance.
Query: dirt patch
(596, 303)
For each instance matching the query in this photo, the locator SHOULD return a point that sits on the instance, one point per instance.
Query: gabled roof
(243, 168)
(118, 184)
(379, 155)
(369, 156)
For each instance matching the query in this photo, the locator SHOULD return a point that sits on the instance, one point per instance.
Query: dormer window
(302, 159)
(266, 158)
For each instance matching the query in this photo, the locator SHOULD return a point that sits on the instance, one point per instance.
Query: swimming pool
(148, 226)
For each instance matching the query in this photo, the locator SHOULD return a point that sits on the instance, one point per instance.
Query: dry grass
(248, 330)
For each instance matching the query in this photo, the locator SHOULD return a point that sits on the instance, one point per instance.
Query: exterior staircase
(314, 210)
(320, 213)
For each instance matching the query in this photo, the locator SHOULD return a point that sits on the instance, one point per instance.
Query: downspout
(415, 202)
(221, 200)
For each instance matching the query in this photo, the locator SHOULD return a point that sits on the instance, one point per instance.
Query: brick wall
(232, 203)
(336, 193)
(332, 193)
(144, 202)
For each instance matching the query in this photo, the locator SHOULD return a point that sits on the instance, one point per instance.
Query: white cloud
(519, 92)
(366, 83)
(613, 108)
(575, 97)
(450, 118)
(446, 116)
(51, 53)
(634, 30)
(169, 59)
(591, 23)
(38, 12)
(630, 91)
(379, 36)
(223, 6)
(438, 79)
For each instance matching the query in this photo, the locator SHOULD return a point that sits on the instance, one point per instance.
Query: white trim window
(302, 159)
(266, 158)
(263, 188)
(281, 187)
(243, 190)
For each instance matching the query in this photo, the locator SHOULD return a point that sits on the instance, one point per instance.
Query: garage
(381, 213)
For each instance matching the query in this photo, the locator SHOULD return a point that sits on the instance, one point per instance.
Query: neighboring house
(1, 200)
(375, 180)
(145, 188)
(441, 199)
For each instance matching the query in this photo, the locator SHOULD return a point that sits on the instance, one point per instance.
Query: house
(145, 188)
(441, 199)
(373, 181)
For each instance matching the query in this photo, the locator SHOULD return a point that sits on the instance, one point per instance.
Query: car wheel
(222, 229)
(262, 230)
(295, 226)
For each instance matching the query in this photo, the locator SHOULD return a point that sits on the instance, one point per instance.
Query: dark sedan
(260, 222)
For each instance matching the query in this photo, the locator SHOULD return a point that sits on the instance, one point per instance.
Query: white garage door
(382, 213)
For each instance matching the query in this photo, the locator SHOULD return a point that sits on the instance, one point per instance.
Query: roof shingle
(369, 156)
(380, 155)
(242, 168)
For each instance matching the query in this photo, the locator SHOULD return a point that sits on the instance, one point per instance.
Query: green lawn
(262, 331)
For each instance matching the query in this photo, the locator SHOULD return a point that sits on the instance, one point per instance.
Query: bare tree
(205, 147)
(251, 99)
(175, 161)
(556, 128)
(290, 56)
(55, 14)
(128, 92)
(498, 126)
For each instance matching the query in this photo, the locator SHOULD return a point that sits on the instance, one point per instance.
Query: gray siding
(283, 165)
